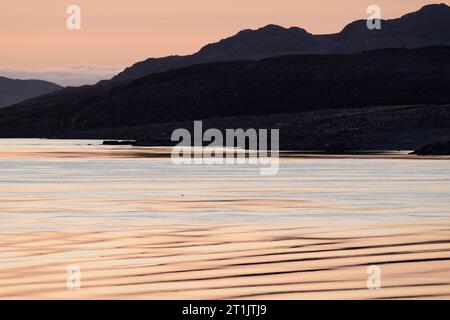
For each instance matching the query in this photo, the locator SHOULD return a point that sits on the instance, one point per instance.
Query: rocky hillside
(260, 90)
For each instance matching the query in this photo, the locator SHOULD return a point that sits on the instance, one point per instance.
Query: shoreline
(124, 152)
(81, 148)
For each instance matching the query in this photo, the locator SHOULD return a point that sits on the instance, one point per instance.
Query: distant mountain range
(151, 98)
(14, 91)
(430, 26)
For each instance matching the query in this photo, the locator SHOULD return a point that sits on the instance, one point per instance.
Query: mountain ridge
(426, 27)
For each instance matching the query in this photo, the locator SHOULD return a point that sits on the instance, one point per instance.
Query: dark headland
(354, 90)
(438, 149)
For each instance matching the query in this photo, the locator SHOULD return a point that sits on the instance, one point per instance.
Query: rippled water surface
(48, 184)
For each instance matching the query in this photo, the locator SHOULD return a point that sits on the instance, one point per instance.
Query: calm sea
(70, 184)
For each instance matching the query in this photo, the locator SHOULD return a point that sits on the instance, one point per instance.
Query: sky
(36, 43)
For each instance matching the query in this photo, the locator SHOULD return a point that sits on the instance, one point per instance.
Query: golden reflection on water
(140, 227)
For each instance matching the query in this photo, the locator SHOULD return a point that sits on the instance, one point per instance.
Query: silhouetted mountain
(427, 27)
(14, 91)
(265, 42)
(287, 84)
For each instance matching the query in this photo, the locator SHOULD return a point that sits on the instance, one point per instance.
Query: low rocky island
(437, 149)
(118, 142)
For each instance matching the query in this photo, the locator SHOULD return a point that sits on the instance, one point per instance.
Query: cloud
(73, 75)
